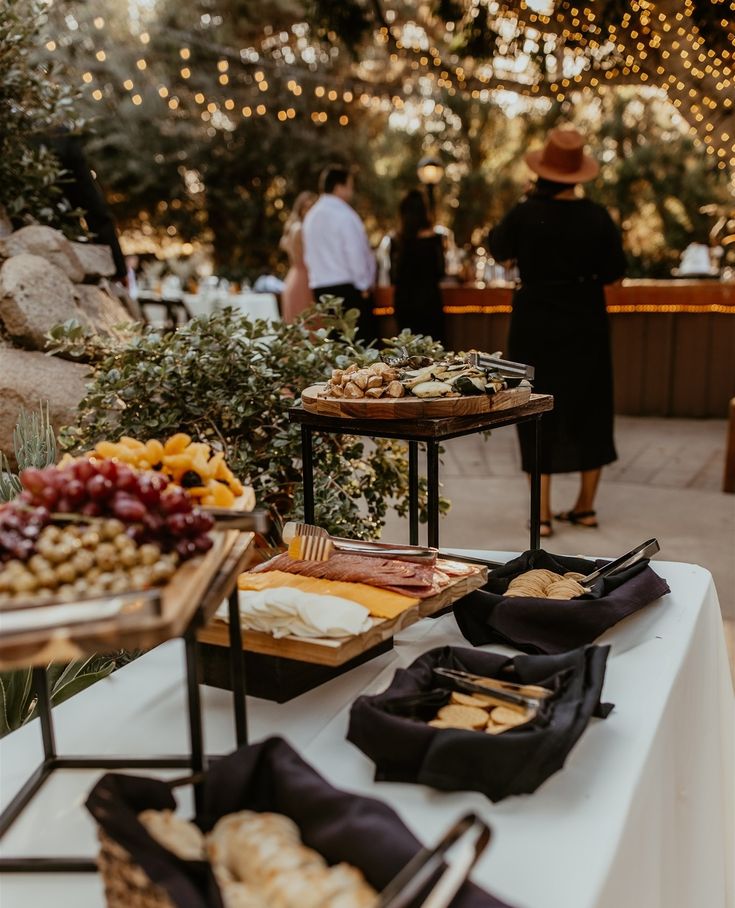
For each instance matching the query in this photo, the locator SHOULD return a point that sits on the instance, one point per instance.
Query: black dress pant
(367, 324)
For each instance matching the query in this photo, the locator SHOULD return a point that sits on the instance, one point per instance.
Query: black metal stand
(432, 432)
(195, 760)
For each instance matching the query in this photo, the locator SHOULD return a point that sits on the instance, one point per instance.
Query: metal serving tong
(496, 363)
(313, 543)
(257, 521)
(524, 698)
(467, 838)
(645, 550)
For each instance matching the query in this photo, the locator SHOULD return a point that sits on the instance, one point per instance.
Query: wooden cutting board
(335, 652)
(412, 407)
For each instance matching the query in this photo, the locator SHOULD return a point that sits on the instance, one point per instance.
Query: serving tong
(257, 521)
(493, 362)
(645, 550)
(467, 839)
(524, 698)
(308, 542)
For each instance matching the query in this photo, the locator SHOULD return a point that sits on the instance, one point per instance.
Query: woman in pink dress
(296, 294)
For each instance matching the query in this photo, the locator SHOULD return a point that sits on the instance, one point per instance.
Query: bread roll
(177, 835)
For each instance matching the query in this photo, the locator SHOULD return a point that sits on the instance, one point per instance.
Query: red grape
(99, 488)
(83, 470)
(33, 480)
(127, 509)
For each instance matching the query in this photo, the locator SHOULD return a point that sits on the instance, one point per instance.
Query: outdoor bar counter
(673, 341)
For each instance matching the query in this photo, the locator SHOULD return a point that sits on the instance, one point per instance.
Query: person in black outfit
(417, 266)
(83, 192)
(566, 248)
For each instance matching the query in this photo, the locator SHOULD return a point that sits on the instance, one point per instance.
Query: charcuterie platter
(412, 407)
(415, 387)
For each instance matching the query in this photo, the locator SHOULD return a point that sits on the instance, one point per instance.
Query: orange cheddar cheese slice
(381, 603)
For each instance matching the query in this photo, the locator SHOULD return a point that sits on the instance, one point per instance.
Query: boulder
(99, 310)
(34, 296)
(26, 378)
(96, 260)
(47, 243)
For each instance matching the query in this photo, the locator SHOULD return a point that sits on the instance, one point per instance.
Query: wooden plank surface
(410, 407)
(337, 652)
(422, 428)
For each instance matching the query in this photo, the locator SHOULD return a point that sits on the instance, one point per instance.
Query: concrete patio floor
(666, 483)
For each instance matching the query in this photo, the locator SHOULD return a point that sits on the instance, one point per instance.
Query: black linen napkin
(269, 776)
(391, 728)
(548, 625)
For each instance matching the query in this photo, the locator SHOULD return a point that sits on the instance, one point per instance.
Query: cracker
(469, 699)
(502, 715)
(494, 728)
(463, 716)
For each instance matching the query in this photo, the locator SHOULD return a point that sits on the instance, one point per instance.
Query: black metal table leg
(237, 670)
(196, 734)
(413, 493)
(432, 474)
(536, 489)
(308, 468)
(43, 706)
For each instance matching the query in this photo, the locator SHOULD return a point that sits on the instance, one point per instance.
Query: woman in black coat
(566, 248)
(417, 266)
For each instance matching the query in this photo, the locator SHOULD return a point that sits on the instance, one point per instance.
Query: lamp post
(430, 171)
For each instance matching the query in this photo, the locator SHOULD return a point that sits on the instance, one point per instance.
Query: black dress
(566, 251)
(416, 270)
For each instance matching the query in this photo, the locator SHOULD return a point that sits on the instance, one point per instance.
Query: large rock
(48, 243)
(100, 310)
(96, 260)
(34, 296)
(26, 378)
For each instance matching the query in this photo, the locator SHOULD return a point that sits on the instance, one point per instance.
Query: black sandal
(576, 518)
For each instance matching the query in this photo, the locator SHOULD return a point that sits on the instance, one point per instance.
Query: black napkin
(548, 625)
(269, 776)
(391, 728)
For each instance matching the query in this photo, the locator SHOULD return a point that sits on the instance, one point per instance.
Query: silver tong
(257, 521)
(467, 839)
(645, 550)
(293, 528)
(495, 363)
(521, 697)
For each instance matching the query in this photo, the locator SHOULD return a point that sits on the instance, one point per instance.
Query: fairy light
(87, 77)
(185, 72)
(51, 46)
(97, 94)
(101, 56)
(141, 64)
(185, 53)
(137, 100)
(128, 84)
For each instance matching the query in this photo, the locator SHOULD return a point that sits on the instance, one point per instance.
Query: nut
(353, 391)
(395, 389)
(337, 376)
(374, 381)
(375, 392)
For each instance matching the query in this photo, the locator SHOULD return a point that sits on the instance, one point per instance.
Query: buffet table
(642, 814)
(673, 341)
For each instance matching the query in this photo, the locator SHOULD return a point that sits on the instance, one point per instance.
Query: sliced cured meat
(404, 577)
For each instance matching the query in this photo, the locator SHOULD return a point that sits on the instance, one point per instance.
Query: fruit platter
(112, 549)
(407, 386)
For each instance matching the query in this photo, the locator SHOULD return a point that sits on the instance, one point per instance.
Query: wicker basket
(126, 884)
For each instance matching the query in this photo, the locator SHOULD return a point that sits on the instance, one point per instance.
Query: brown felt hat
(563, 158)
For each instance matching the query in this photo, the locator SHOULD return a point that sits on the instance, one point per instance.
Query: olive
(161, 572)
(149, 553)
(124, 543)
(105, 579)
(24, 583)
(90, 539)
(66, 593)
(38, 564)
(83, 561)
(112, 528)
(129, 558)
(48, 578)
(66, 573)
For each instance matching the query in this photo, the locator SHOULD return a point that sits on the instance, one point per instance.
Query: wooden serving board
(335, 652)
(181, 598)
(412, 407)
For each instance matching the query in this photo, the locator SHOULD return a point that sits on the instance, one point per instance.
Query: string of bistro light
(562, 51)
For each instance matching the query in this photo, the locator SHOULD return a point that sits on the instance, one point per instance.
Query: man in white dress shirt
(337, 251)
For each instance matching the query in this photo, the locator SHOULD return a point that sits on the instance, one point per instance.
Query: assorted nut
(377, 380)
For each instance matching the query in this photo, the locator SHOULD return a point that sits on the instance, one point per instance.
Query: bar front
(673, 341)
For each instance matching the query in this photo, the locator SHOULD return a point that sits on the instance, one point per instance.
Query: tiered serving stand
(415, 421)
(186, 604)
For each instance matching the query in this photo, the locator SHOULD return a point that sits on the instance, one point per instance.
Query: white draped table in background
(641, 816)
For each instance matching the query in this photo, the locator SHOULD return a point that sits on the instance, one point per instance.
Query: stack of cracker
(474, 712)
(543, 584)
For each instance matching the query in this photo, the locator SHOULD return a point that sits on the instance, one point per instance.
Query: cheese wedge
(380, 603)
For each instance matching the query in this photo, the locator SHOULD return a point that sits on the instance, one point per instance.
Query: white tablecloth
(641, 816)
(254, 305)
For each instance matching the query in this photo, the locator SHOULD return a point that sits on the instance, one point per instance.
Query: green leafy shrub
(231, 381)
